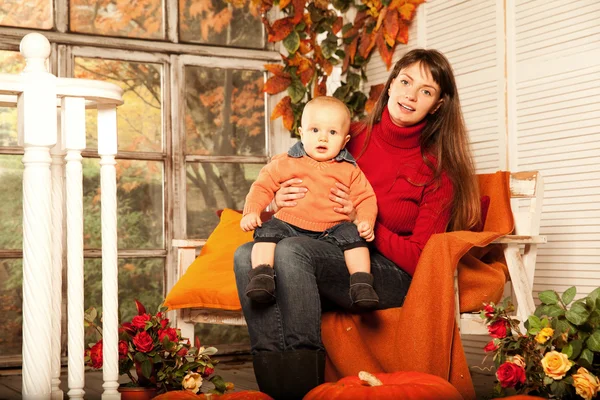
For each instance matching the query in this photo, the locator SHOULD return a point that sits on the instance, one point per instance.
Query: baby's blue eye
(315, 130)
(332, 132)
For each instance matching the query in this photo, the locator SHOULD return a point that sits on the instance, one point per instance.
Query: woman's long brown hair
(444, 137)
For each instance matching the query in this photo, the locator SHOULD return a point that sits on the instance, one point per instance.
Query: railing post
(37, 134)
(58, 176)
(107, 149)
(73, 137)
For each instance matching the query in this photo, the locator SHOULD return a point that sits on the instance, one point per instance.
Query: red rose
(491, 346)
(207, 372)
(489, 311)
(171, 333)
(509, 375)
(127, 327)
(139, 321)
(498, 329)
(143, 342)
(96, 355)
(123, 349)
(182, 352)
(164, 323)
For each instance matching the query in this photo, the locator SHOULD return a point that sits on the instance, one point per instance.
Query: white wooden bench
(520, 250)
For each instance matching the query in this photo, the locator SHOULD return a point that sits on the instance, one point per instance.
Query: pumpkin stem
(369, 378)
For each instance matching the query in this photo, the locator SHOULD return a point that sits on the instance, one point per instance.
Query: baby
(319, 160)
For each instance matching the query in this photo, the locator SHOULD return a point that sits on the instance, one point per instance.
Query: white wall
(528, 73)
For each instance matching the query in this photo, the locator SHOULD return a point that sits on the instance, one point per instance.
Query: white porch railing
(48, 139)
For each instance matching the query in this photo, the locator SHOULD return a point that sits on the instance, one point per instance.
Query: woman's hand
(341, 195)
(288, 193)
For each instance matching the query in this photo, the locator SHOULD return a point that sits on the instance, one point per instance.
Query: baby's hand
(365, 230)
(250, 221)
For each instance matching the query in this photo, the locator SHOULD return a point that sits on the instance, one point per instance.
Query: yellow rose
(545, 334)
(192, 382)
(586, 384)
(556, 364)
(519, 360)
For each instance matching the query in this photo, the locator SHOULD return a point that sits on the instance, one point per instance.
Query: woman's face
(413, 95)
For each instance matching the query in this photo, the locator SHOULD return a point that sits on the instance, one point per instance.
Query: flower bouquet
(556, 356)
(162, 359)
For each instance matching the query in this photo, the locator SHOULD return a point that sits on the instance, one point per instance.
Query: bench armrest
(517, 239)
(186, 253)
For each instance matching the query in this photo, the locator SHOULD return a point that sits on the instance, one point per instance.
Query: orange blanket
(423, 335)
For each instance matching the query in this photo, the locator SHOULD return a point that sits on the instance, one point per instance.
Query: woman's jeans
(310, 276)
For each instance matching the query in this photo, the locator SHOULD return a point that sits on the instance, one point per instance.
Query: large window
(192, 136)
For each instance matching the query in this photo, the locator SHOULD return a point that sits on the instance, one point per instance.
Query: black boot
(289, 375)
(361, 291)
(261, 287)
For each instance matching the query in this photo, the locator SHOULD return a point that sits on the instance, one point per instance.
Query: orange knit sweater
(315, 211)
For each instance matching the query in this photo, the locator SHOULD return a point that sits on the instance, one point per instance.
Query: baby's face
(324, 131)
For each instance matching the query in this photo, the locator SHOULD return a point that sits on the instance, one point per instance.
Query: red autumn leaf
(277, 84)
(360, 19)
(351, 49)
(321, 87)
(402, 36)
(284, 109)
(366, 44)
(280, 29)
(384, 51)
(380, 19)
(298, 11)
(277, 70)
(374, 94)
(390, 27)
(305, 46)
(337, 25)
(140, 307)
(350, 32)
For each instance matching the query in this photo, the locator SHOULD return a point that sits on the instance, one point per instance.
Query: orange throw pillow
(209, 281)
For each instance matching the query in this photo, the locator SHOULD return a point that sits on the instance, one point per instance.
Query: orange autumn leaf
(384, 51)
(277, 70)
(380, 19)
(374, 94)
(305, 47)
(284, 3)
(367, 42)
(284, 109)
(298, 10)
(337, 25)
(321, 87)
(277, 84)
(402, 36)
(390, 27)
(280, 29)
(351, 50)
(408, 9)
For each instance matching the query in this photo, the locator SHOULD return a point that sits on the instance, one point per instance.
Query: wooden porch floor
(237, 370)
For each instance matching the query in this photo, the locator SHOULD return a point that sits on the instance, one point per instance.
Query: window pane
(11, 198)
(139, 202)
(136, 19)
(213, 186)
(26, 14)
(224, 113)
(139, 119)
(139, 278)
(225, 23)
(222, 336)
(11, 62)
(11, 317)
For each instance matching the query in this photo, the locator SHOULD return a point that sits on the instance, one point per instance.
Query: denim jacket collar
(298, 151)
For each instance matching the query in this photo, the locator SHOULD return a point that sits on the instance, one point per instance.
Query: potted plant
(161, 358)
(557, 356)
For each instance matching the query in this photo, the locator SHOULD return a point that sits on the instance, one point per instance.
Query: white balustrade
(38, 95)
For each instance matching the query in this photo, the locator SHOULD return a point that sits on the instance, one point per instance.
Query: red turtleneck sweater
(412, 206)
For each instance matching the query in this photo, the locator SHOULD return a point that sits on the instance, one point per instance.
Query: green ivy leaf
(296, 91)
(549, 297)
(593, 342)
(346, 27)
(569, 295)
(340, 54)
(586, 358)
(342, 92)
(353, 80)
(147, 369)
(578, 313)
(292, 42)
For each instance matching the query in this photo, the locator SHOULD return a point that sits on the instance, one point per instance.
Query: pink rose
(123, 349)
(143, 342)
(171, 333)
(139, 321)
(95, 354)
(489, 311)
(491, 346)
(498, 329)
(510, 375)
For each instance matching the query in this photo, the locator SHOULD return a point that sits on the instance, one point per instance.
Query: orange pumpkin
(521, 397)
(187, 395)
(392, 386)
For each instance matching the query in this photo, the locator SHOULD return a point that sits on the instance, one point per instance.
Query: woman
(414, 150)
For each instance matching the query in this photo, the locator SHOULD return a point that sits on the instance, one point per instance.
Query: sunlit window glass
(11, 313)
(11, 62)
(140, 222)
(213, 186)
(139, 119)
(26, 13)
(11, 199)
(135, 19)
(235, 23)
(224, 112)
